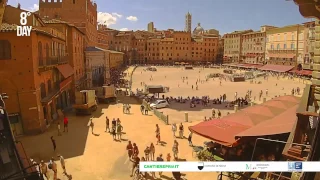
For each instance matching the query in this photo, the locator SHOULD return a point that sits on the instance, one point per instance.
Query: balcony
(50, 62)
(282, 50)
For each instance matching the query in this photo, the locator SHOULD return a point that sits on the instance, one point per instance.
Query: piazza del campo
(80, 100)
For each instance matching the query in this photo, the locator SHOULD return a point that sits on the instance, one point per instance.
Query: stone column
(236, 108)
(264, 100)
(186, 117)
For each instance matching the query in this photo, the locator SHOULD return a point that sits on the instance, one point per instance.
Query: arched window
(5, 50)
(40, 55)
(47, 53)
(43, 90)
(278, 46)
(284, 46)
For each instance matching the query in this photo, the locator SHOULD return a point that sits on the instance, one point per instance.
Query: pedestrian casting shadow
(69, 145)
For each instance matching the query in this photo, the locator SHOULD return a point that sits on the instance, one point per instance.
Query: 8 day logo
(24, 30)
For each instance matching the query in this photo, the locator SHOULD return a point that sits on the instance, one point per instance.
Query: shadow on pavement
(121, 169)
(69, 144)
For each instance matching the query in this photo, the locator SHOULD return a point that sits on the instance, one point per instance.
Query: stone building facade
(253, 47)
(232, 46)
(285, 45)
(83, 14)
(99, 64)
(160, 47)
(36, 75)
(75, 41)
(309, 45)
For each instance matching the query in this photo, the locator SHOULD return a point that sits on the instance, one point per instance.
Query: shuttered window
(5, 50)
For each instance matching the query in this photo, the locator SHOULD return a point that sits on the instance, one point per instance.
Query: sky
(223, 15)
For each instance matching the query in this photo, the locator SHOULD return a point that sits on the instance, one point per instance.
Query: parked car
(159, 104)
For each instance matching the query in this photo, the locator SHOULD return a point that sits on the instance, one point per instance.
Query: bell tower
(188, 19)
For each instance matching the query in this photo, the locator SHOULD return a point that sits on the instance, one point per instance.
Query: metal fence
(160, 115)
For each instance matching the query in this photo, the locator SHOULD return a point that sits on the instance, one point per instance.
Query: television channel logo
(24, 30)
(295, 166)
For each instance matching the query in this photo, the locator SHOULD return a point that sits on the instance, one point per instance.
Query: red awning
(266, 111)
(279, 104)
(304, 72)
(291, 99)
(246, 119)
(276, 68)
(280, 124)
(221, 131)
(66, 70)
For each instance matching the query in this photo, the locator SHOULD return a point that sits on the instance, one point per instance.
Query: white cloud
(34, 8)
(132, 18)
(124, 29)
(108, 18)
(116, 14)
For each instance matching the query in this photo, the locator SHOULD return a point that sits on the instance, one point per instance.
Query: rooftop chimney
(19, 6)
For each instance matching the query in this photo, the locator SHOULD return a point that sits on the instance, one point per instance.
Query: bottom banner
(230, 166)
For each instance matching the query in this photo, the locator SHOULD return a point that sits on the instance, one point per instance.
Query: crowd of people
(149, 155)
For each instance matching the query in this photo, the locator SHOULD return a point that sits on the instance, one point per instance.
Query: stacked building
(291, 45)
(41, 72)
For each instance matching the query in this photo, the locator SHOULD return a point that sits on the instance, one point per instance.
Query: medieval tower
(188, 22)
(81, 13)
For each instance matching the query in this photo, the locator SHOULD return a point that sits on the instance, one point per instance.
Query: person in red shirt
(65, 124)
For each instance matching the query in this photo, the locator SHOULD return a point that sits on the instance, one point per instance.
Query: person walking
(147, 153)
(158, 134)
(114, 123)
(175, 149)
(181, 129)
(65, 123)
(53, 143)
(219, 114)
(190, 139)
(59, 129)
(107, 124)
(174, 129)
(152, 151)
(44, 169)
(54, 168)
(119, 131)
(113, 132)
(91, 125)
(135, 150)
(168, 157)
(63, 164)
(160, 159)
(142, 109)
(129, 149)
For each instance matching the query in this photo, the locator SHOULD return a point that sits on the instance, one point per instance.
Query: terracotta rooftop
(13, 27)
(56, 21)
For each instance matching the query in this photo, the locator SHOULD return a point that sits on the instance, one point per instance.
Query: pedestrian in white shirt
(174, 129)
(63, 164)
